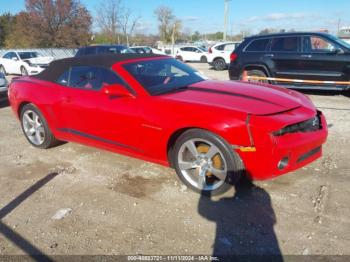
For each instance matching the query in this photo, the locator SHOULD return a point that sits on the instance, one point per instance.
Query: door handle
(269, 55)
(306, 56)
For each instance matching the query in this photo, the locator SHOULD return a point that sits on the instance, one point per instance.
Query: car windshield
(163, 75)
(28, 55)
(340, 41)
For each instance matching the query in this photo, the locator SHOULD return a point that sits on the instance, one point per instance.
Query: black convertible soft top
(58, 67)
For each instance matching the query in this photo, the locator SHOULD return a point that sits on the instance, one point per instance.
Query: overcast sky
(207, 15)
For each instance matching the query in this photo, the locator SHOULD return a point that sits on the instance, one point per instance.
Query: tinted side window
(10, 55)
(63, 79)
(229, 47)
(109, 78)
(85, 77)
(220, 47)
(317, 44)
(90, 51)
(285, 44)
(258, 45)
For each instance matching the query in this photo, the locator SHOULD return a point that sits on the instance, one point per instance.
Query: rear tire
(219, 64)
(35, 128)
(206, 163)
(258, 73)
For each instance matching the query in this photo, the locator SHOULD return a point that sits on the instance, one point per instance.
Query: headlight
(310, 125)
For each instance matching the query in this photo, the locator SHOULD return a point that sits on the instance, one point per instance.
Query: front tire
(205, 162)
(24, 71)
(204, 59)
(35, 128)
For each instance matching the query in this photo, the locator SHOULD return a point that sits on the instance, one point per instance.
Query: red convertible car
(158, 109)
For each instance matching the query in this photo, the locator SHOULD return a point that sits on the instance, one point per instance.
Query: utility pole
(226, 18)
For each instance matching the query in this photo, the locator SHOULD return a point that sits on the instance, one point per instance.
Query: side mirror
(337, 51)
(116, 91)
(14, 58)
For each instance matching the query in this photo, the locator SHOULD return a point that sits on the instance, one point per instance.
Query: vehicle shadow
(244, 224)
(22, 243)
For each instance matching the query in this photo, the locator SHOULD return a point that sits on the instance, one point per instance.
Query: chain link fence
(56, 53)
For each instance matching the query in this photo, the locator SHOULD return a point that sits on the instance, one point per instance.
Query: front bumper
(300, 148)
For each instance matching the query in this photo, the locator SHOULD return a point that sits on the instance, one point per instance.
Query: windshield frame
(156, 90)
(340, 42)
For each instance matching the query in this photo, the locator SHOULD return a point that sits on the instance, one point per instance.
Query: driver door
(323, 60)
(90, 116)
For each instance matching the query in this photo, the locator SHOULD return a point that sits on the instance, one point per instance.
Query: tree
(196, 36)
(23, 34)
(116, 21)
(6, 24)
(108, 19)
(52, 23)
(128, 24)
(169, 26)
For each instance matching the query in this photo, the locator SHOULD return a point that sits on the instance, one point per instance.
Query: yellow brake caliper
(217, 161)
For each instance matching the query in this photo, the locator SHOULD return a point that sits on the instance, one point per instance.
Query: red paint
(141, 125)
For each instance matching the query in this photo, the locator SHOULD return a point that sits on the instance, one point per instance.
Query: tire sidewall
(256, 72)
(48, 135)
(233, 161)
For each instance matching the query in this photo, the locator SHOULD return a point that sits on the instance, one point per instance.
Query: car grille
(310, 125)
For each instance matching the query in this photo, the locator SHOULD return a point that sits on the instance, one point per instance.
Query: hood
(40, 60)
(245, 97)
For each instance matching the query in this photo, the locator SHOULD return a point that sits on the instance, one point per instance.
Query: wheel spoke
(28, 119)
(212, 152)
(192, 148)
(41, 130)
(38, 137)
(221, 174)
(201, 178)
(36, 119)
(187, 165)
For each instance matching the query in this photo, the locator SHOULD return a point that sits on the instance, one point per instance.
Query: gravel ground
(76, 200)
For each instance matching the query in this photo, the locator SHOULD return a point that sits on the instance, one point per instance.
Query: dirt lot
(73, 199)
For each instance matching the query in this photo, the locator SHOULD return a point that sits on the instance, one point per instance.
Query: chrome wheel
(202, 164)
(33, 127)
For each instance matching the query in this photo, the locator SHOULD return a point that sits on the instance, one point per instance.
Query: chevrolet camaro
(158, 109)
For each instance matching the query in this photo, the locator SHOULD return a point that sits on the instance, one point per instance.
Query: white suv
(219, 54)
(192, 53)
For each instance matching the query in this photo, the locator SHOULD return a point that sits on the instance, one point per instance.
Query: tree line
(69, 24)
